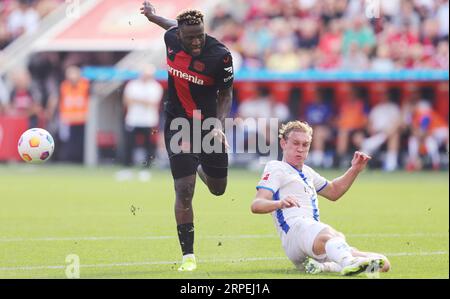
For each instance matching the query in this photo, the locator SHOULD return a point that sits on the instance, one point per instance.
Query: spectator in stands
(22, 16)
(384, 127)
(360, 33)
(23, 19)
(285, 58)
(307, 34)
(142, 98)
(257, 34)
(251, 59)
(441, 59)
(44, 72)
(261, 106)
(220, 16)
(351, 122)
(330, 45)
(5, 36)
(354, 8)
(382, 62)
(329, 10)
(319, 115)
(401, 25)
(253, 108)
(356, 59)
(407, 14)
(429, 133)
(442, 15)
(429, 37)
(399, 39)
(25, 98)
(73, 113)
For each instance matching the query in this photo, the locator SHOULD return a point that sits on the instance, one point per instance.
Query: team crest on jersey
(266, 177)
(226, 59)
(199, 66)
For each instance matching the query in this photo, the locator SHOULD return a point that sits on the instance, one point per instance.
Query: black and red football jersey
(193, 82)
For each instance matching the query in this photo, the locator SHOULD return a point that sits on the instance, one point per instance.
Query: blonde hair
(296, 125)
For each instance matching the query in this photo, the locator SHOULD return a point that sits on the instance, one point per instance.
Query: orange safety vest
(352, 116)
(436, 121)
(74, 102)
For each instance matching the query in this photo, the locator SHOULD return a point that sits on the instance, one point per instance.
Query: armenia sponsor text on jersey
(193, 82)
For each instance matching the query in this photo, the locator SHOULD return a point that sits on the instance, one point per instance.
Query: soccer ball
(36, 145)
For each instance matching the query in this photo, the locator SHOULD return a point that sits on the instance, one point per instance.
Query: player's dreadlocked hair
(190, 17)
(297, 125)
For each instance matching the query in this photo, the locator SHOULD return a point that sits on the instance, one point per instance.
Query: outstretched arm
(335, 189)
(263, 202)
(148, 10)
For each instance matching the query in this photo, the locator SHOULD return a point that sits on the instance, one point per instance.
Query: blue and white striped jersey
(285, 180)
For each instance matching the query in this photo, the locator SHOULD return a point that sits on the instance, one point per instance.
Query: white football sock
(338, 251)
(331, 267)
(191, 255)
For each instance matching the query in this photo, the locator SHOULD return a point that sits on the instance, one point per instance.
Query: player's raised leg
(216, 186)
(213, 171)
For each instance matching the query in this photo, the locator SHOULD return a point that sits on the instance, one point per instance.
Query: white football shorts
(298, 242)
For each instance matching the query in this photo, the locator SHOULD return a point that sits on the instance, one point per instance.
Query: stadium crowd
(293, 35)
(400, 133)
(284, 36)
(19, 17)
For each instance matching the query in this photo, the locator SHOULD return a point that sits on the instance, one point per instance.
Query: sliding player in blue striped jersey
(288, 189)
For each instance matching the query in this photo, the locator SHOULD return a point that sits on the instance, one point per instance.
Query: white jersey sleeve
(272, 177)
(318, 181)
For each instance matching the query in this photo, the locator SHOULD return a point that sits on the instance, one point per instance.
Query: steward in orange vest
(74, 98)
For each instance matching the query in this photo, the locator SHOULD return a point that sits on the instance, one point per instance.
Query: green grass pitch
(127, 229)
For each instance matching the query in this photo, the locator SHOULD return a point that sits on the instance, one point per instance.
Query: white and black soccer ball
(36, 145)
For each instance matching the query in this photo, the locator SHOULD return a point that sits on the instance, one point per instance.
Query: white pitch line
(417, 253)
(131, 238)
(205, 261)
(398, 235)
(111, 238)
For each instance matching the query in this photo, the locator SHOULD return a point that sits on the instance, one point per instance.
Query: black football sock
(186, 237)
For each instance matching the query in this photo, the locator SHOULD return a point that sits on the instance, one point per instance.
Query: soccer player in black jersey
(200, 78)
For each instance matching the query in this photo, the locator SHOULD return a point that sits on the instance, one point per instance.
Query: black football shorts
(185, 163)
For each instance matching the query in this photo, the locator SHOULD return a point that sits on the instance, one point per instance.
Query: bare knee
(320, 241)
(322, 238)
(218, 190)
(217, 187)
(184, 190)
